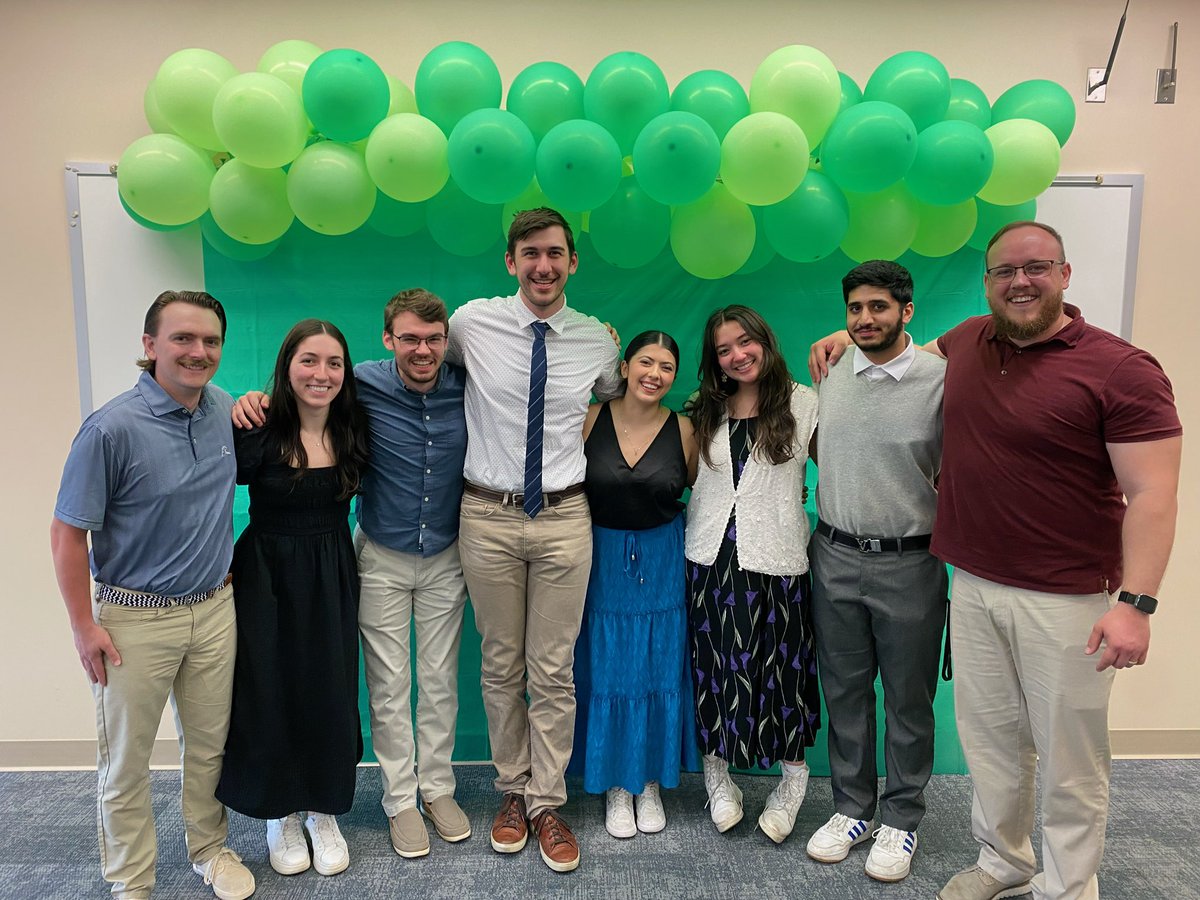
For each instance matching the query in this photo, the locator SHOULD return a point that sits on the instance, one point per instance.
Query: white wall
(71, 81)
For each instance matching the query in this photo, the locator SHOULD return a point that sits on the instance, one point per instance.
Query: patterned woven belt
(121, 597)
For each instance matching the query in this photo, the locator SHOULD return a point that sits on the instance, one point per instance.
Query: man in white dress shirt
(525, 531)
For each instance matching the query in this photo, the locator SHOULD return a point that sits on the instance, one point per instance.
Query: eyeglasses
(1039, 268)
(412, 342)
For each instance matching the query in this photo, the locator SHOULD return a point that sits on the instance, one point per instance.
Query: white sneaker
(286, 844)
(330, 854)
(618, 816)
(891, 854)
(831, 842)
(779, 815)
(230, 880)
(651, 817)
(724, 797)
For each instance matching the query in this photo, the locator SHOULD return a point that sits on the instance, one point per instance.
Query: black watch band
(1144, 602)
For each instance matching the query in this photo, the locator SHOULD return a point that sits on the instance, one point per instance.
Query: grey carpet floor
(49, 842)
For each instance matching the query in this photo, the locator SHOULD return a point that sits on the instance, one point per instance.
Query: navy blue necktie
(537, 415)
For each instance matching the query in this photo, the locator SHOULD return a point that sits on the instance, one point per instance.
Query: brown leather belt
(517, 499)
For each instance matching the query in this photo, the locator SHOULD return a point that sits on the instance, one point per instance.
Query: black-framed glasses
(412, 342)
(1039, 268)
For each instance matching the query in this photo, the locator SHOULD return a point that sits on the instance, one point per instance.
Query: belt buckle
(868, 545)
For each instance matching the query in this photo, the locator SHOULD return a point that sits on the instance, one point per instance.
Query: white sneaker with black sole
(891, 854)
(831, 842)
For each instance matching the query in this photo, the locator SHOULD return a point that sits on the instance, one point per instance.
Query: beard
(1052, 308)
(885, 340)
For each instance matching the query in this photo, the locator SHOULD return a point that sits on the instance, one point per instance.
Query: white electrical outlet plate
(1095, 95)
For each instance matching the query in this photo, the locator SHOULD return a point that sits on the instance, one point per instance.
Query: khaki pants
(1026, 696)
(186, 653)
(528, 579)
(398, 591)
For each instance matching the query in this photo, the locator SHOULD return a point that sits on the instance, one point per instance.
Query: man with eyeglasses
(408, 561)
(1058, 489)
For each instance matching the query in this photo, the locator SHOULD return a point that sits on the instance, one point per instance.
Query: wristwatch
(1143, 602)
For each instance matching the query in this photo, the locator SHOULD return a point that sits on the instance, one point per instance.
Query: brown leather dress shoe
(560, 850)
(510, 829)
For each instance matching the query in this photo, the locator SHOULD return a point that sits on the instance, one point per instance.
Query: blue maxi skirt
(634, 699)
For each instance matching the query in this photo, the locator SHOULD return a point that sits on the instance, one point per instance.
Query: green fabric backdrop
(349, 280)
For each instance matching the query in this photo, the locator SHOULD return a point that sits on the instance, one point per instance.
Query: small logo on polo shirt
(225, 451)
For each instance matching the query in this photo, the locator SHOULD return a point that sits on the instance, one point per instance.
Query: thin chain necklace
(649, 439)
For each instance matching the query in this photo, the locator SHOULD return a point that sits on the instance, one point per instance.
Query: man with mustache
(1049, 423)
(879, 595)
(150, 476)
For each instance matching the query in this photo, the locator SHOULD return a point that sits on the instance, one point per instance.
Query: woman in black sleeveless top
(632, 669)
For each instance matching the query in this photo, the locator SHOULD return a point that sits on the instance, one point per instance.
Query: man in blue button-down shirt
(150, 476)
(407, 545)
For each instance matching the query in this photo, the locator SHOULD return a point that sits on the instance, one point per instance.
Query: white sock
(791, 770)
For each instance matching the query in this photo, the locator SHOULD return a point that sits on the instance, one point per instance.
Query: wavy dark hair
(347, 423)
(707, 408)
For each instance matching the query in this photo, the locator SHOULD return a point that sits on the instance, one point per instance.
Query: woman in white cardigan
(756, 677)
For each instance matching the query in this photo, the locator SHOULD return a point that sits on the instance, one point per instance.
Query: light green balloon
(763, 252)
(802, 83)
(260, 120)
(406, 157)
(229, 247)
(158, 122)
(460, 225)
(631, 228)
(810, 224)
(329, 189)
(165, 179)
(882, 225)
(764, 158)
(968, 103)
(289, 61)
(402, 99)
(250, 204)
(396, 219)
(185, 87)
(943, 230)
(713, 237)
(1027, 155)
(491, 153)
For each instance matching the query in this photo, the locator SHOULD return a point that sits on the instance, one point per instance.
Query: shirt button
(426, 499)
(429, 443)
(427, 418)
(422, 524)
(1004, 371)
(428, 471)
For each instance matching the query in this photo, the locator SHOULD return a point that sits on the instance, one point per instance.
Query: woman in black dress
(751, 622)
(294, 736)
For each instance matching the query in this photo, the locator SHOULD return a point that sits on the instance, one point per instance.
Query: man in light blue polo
(407, 543)
(150, 476)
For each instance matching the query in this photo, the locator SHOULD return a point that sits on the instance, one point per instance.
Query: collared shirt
(492, 338)
(153, 483)
(413, 485)
(1027, 495)
(893, 368)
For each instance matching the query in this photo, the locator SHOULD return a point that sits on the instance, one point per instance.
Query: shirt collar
(525, 318)
(160, 402)
(1069, 334)
(895, 367)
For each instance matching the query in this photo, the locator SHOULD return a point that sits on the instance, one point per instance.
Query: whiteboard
(1100, 218)
(118, 267)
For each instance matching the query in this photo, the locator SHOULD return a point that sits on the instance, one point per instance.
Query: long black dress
(294, 734)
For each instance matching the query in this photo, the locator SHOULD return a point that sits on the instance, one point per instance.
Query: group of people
(622, 635)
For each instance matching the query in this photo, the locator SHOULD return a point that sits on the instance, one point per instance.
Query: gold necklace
(637, 450)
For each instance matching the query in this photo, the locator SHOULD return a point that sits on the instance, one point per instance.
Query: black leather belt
(517, 499)
(874, 545)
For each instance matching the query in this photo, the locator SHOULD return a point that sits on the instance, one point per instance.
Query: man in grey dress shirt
(527, 558)
(150, 476)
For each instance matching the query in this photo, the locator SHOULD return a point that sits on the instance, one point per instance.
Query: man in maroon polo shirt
(1049, 423)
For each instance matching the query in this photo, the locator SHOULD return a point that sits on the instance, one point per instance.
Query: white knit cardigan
(772, 526)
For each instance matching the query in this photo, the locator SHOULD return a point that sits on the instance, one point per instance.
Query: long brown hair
(347, 423)
(776, 429)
